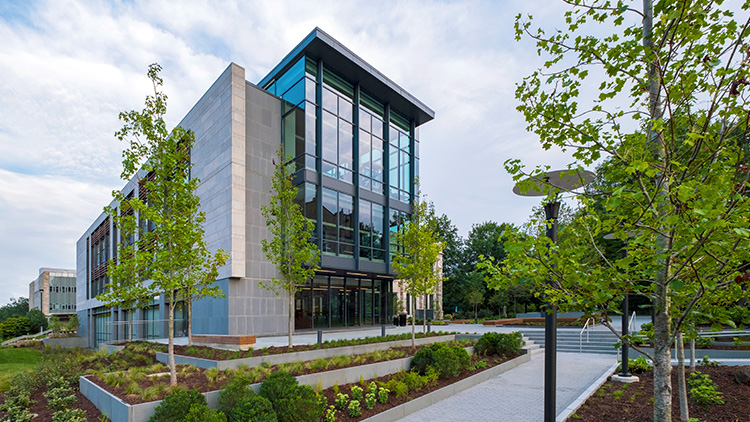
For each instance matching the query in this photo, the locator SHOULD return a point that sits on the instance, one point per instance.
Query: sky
(68, 67)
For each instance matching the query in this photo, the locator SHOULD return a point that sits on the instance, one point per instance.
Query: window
(371, 146)
(371, 221)
(399, 159)
(338, 223)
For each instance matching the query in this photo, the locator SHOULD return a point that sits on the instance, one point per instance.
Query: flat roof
(319, 45)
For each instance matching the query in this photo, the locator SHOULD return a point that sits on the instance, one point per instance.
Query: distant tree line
(16, 319)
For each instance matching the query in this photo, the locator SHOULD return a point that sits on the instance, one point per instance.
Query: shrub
(637, 366)
(198, 413)
(235, 390)
(355, 408)
(704, 342)
(503, 344)
(60, 398)
(370, 400)
(331, 414)
(383, 395)
(705, 362)
(172, 408)
(447, 360)
(69, 415)
(341, 401)
(356, 393)
(372, 387)
(291, 402)
(253, 408)
(703, 391)
(400, 388)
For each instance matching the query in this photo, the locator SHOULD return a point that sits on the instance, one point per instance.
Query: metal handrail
(630, 324)
(580, 335)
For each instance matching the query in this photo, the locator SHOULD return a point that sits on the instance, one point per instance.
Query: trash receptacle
(402, 320)
(395, 320)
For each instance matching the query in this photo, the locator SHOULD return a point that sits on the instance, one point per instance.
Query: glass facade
(62, 294)
(355, 157)
(333, 301)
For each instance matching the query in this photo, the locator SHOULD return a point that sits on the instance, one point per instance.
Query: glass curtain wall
(371, 221)
(399, 159)
(338, 223)
(102, 326)
(343, 302)
(371, 144)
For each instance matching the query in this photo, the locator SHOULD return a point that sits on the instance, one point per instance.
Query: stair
(531, 346)
(600, 340)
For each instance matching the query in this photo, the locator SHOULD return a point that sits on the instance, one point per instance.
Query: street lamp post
(551, 184)
(624, 375)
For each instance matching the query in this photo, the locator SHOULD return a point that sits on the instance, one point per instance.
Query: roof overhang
(319, 45)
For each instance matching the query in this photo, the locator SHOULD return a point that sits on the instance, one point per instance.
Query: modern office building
(353, 135)
(54, 292)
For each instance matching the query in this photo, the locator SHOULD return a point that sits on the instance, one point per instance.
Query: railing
(724, 334)
(25, 337)
(585, 328)
(630, 331)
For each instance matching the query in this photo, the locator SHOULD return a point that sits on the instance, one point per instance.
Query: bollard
(428, 325)
(320, 336)
(382, 331)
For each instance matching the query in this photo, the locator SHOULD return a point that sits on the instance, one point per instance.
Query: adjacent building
(54, 292)
(353, 134)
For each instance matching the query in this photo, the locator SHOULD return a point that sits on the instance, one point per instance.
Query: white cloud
(70, 66)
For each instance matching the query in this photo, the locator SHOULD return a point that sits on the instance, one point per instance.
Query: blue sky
(68, 67)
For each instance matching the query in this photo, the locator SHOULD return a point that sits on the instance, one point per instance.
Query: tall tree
(447, 233)
(290, 248)
(171, 238)
(415, 259)
(682, 175)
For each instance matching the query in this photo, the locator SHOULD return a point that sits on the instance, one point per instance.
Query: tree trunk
(662, 358)
(424, 316)
(291, 313)
(681, 387)
(692, 355)
(662, 320)
(130, 324)
(413, 324)
(172, 367)
(189, 300)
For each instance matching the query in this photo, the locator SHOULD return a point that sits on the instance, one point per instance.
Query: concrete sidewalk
(518, 395)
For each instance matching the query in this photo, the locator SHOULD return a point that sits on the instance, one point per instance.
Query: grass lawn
(13, 361)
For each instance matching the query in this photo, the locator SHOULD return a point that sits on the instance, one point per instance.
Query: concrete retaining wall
(67, 342)
(119, 411)
(299, 356)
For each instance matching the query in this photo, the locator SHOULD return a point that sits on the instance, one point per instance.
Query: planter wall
(298, 356)
(67, 342)
(119, 411)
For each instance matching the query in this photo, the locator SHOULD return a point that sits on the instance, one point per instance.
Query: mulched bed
(205, 352)
(45, 413)
(196, 378)
(635, 403)
(393, 401)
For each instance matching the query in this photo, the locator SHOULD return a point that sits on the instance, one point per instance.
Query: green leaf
(676, 285)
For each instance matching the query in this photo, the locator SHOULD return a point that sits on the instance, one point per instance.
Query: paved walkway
(518, 395)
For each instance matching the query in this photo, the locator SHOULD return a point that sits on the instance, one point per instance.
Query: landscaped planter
(119, 411)
(298, 356)
(422, 402)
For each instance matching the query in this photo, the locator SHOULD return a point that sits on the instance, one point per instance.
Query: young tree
(415, 259)
(679, 148)
(170, 237)
(475, 297)
(290, 248)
